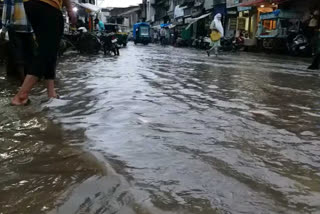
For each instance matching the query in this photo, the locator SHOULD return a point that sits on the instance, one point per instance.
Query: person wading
(217, 33)
(47, 22)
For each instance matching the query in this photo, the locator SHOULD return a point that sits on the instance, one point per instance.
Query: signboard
(232, 3)
(241, 23)
(233, 24)
(240, 9)
(232, 12)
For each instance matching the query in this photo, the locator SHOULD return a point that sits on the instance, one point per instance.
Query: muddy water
(164, 130)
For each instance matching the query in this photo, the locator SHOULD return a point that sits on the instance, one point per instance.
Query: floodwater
(163, 130)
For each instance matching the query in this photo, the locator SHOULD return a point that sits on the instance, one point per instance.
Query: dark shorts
(21, 47)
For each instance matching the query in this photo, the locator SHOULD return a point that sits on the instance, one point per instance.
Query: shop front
(86, 13)
(231, 22)
(249, 18)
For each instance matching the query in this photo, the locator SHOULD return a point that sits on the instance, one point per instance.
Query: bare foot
(53, 95)
(20, 100)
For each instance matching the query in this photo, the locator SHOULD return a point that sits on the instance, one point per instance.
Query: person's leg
(17, 54)
(50, 89)
(218, 45)
(216, 50)
(29, 48)
(47, 23)
(210, 50)
(21, 98)
(54, 35)
(315, 63)
(21, 73)
(50, 76)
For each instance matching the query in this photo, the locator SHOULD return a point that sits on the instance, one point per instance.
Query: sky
(118, 3)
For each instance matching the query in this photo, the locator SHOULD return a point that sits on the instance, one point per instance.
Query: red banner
(249, 3)
(278, 1)
(252, 3)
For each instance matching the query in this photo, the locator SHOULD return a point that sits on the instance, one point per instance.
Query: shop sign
(232, 12)
(232, 3)
(241, 23)
(240, 9)
(233, 24)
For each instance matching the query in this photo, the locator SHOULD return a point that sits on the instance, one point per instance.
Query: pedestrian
(313, 26)
(99, 25)
(162, 36)
(316, 59)
(155, 36)
(47, 22)
(167, 35)
(217, 33)
(20, 32)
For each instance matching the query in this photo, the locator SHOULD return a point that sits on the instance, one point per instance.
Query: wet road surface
(165, 130)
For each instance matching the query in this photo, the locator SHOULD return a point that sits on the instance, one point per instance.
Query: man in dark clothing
(316, 59)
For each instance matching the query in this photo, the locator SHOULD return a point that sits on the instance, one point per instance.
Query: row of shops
(268, 20)
(86, 13)
(260, 22)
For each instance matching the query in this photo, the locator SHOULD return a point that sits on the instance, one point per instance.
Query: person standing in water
(45, 17)
(316, 59)
(217, 33)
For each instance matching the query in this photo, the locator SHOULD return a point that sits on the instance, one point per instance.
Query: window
(144, 31)
(269, 25)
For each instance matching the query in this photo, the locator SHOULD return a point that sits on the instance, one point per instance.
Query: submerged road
(163, 130)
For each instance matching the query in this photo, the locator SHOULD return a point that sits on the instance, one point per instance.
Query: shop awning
(91, 7)
(280, 14)
(278, 1)
(197, 19)
(179, 11)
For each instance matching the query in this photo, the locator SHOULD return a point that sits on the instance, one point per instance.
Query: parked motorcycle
(109, 43)
(238, 43)
(227, 44)
(80, 40)
(202, 43)
(298, 45)
(232, 44)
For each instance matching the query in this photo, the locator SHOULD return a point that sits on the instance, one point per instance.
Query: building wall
(233, 3)
(1, 5)
(216, 2)
(104, 15)
(208, 4)
(150, 11)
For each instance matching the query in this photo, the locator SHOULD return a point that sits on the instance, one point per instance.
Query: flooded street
(163, 130)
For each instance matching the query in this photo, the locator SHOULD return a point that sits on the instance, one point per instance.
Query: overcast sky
(118, 3)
